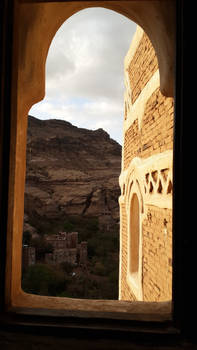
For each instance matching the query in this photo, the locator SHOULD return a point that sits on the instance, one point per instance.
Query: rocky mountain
(71, 172)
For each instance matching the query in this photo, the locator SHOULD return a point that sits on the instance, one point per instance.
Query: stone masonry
(146, 179)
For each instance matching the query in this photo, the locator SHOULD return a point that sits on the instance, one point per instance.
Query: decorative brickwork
(146, 176)
(157, 254)
(142, 67)
(156, 133)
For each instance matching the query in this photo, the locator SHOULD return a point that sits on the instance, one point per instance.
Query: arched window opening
(148, 106)
(71, 223)
(134, 235)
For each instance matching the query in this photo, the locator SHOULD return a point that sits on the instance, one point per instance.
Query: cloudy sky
(84, 71)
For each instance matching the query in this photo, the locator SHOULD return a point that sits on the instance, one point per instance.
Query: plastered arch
(39, 23)
(136, 180)
(132, 184)
(132, 189)
(134, 277)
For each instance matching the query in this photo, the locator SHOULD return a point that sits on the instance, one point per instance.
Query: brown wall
(156, 134)
(142, 66)
(157, 254)
(143, 138)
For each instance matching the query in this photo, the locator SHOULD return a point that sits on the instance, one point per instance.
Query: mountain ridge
(70, 171)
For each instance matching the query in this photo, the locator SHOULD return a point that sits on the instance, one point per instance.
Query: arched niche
(135, 214)
(134, 235)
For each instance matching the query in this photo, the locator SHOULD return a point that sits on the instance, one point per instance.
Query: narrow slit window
(134, 235)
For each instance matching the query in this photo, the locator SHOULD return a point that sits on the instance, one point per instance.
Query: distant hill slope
(71, 171)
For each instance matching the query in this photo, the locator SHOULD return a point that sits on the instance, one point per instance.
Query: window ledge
(29, 304)
(134, 283)
(94, 318)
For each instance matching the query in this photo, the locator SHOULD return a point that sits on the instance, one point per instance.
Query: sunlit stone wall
(147, 173)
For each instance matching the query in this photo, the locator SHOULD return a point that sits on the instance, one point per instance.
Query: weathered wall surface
(147, 172)
(141, 67)
(156, 134)
(157, 254)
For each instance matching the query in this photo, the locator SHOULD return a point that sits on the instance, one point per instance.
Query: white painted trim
(133, 180)
(136, 110)
(138, 168)
(134, 46)
(120, 255)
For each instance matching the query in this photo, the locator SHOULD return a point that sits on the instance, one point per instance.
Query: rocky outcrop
(71, 171)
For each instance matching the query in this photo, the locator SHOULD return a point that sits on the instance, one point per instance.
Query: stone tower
(146, 179)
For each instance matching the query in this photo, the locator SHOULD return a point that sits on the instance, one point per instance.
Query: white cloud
(84, 71)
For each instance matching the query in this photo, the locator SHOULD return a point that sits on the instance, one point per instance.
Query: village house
(66, 249)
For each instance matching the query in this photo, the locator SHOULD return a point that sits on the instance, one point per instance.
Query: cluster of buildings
(65, 249)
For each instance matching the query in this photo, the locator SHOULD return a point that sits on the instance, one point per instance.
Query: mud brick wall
(148, 132)
(142, 67)
(156, 134)
(157, 254)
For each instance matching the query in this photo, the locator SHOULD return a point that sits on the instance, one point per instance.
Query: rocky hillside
(71, 172)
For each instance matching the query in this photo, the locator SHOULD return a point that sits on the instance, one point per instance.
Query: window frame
(89, 325)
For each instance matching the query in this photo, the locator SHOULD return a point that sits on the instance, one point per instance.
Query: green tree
(99, 269)
(26, 237)
(66, 267)
(44, 280)
(42, 247)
